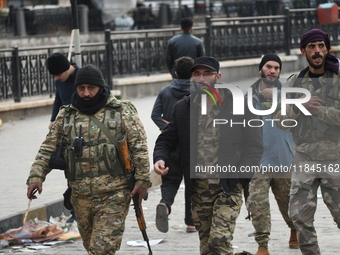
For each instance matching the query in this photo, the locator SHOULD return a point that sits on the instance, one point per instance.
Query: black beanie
(270, 57)
(57, 63)
(89, 74)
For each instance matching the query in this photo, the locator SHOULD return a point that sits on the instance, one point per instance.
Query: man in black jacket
(64, 73)
(182, 45)
(216, 197)
(161, 114)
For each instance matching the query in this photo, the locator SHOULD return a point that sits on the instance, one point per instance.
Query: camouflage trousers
(214, 214)
(259, 207)
(101, 220)
(303, 198)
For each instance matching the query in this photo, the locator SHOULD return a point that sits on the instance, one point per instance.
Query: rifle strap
(329, 82)
(107, 132)
(59, 150)
(322, 127)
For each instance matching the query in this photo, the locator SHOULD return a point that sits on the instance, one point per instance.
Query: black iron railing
(303, 20)
(52, 19)
(235, 38)
(141, 52)
(23, 72)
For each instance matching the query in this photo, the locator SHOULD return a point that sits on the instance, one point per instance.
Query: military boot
(293, 241)
(262, 251)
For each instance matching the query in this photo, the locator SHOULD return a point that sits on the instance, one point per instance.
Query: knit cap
(57, 63)
(270, 57)
(89, 74)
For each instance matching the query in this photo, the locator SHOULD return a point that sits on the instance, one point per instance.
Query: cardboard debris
(37, 233)
(69, 236)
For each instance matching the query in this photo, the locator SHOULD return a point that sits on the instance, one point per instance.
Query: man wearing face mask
(88, 130)
(317, 138)
(278, 152)
(216, 198)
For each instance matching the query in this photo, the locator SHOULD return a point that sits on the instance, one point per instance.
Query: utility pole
(75, 26)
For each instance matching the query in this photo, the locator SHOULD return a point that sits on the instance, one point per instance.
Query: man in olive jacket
(216, 199)
(100, 193)
(316, 137)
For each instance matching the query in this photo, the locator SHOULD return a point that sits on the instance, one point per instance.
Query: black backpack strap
(300, 77)
(329, 79)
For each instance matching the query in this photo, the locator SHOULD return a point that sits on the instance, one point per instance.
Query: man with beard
(316, 136)
(216, 197)
(278, 152)
(88, 130)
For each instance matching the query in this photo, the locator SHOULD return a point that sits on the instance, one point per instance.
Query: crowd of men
(100, 139)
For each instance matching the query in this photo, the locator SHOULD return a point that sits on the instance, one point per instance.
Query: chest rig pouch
(100, 152)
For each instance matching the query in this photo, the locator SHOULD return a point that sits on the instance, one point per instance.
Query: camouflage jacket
(316, 136)
(97, 161)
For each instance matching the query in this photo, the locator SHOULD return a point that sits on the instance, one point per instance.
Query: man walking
(161, 114)
(182, 45)
(316, 136)
(278, 152)
(87, 130)
(64, 73)
(216, 199)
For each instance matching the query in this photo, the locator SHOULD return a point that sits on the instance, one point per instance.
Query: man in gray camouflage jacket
(317, 138)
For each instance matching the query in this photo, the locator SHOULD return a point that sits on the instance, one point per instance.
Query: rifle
(129, 173)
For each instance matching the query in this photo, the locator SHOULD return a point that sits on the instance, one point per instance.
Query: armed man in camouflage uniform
(100, 193)
(216, 199)
(278, 152)
(316, 136)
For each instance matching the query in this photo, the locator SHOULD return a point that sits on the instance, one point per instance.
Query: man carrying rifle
(88, 131)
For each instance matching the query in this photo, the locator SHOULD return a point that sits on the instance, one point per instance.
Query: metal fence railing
(51, 19)
(142, 53)
(303, 20)
(23, 72)
(235, 38)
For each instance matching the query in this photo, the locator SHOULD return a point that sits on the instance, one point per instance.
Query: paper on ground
(143, 243)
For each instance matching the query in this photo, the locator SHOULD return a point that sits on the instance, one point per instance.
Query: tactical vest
(99, 155)
(332, 132)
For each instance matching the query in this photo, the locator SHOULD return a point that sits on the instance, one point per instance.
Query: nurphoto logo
(238, 104)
